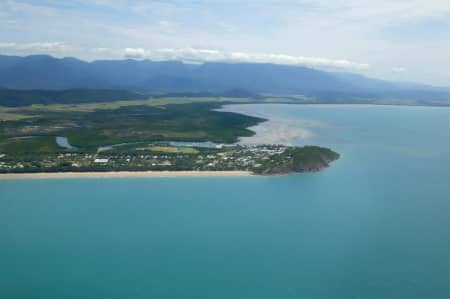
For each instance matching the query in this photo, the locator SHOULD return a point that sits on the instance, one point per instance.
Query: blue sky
(406, 40)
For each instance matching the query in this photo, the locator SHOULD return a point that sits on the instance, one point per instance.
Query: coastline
(123, 174)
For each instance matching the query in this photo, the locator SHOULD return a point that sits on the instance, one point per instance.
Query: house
(101, 160)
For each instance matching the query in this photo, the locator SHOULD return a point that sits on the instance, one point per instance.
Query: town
(258, 159)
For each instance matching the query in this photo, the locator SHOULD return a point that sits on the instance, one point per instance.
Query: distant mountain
(8, 61)
(46, 72)
(49, 73)
(361, 82)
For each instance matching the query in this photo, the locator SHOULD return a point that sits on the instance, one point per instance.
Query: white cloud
(47, 47)
(208, 55)
(398, 69)
(137, 53)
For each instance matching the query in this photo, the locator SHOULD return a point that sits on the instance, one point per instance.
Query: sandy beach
(122, 174)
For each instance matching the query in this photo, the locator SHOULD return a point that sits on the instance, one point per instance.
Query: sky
(402, 40)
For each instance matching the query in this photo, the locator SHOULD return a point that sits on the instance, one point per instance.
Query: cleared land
(91, 107)
(170, 149)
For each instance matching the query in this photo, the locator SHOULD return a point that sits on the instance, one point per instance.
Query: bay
(374, 225)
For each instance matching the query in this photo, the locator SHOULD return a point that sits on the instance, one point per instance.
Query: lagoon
(374, 225)
(63, 142)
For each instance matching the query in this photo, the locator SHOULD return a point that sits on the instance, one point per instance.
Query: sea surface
(374, 225)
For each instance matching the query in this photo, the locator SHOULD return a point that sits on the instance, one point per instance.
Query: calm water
(375, 225)
(63, 142)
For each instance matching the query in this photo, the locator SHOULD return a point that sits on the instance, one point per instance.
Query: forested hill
(46, 72)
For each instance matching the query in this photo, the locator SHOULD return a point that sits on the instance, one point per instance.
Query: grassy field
(170, 149)
(9, 116)
(91, 107)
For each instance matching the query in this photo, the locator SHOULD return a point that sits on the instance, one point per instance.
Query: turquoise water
(374, 225)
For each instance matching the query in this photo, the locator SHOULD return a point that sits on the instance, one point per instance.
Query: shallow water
(374, 225)
(63, 142)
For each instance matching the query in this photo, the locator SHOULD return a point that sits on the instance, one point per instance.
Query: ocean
(376, 224)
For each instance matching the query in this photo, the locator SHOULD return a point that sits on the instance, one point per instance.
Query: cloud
(137, 53)
(398, 69)
(47, 47)
(208, 55)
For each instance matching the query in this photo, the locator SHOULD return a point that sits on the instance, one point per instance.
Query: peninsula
(151, 158)
(164, 136)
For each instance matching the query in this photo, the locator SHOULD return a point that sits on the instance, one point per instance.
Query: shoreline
(123, 174)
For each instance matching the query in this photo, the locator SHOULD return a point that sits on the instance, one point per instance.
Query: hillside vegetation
(41, 72)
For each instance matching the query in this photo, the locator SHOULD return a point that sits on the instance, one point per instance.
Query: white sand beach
(121, 174)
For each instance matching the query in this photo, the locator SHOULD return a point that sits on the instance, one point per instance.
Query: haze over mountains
(48, 73)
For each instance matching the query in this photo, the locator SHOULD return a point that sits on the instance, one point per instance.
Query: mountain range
(45, 72)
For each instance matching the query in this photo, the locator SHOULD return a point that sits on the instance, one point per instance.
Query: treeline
(14, 98)
(234, 93)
